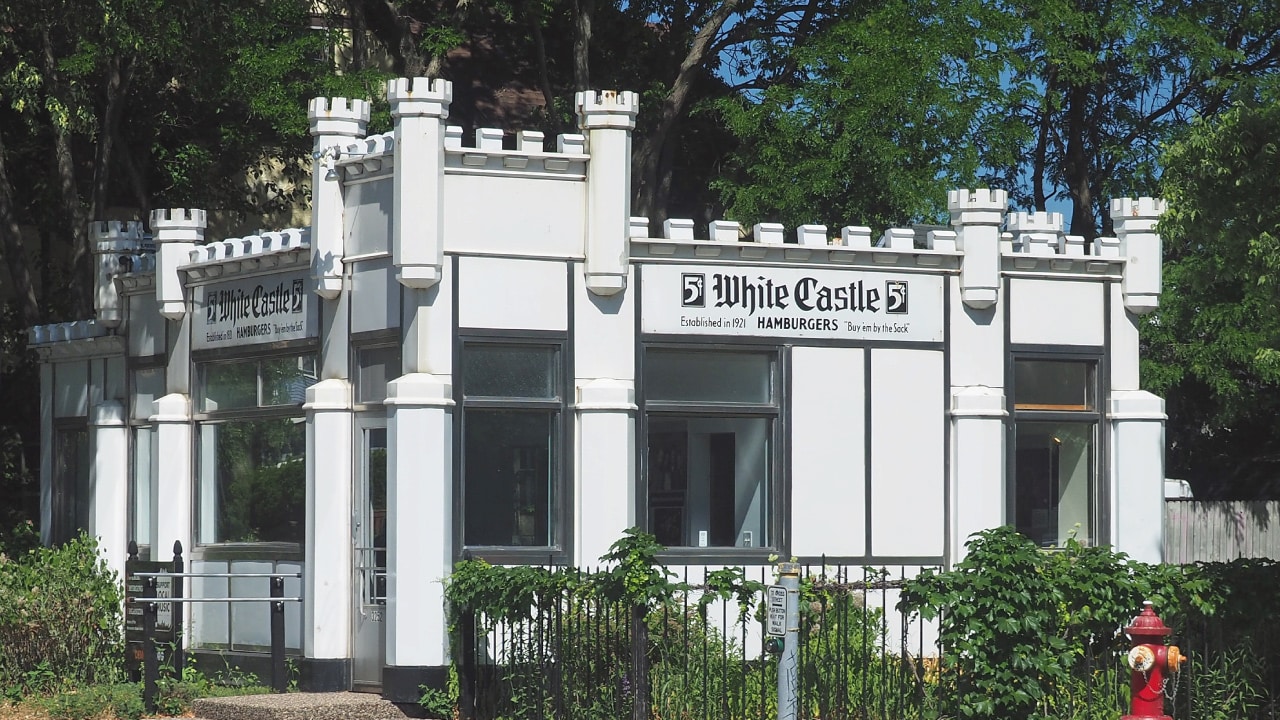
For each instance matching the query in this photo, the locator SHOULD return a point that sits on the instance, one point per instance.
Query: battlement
(66, 332)
(488, 153)
(1140, 208)
(110, 230)
(419, 97)
(276, 249)
(178, 219)
(981, 199)
(607, 109)
(338, 116)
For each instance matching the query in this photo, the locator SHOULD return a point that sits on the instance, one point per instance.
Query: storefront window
(70, 497)
(512, 415)
(711, 424)
(252, 450)
(1055, 440)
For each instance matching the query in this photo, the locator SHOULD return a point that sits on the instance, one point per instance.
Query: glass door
(369, 537)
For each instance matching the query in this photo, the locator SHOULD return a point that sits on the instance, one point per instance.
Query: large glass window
(512, 418)
(70, 496)
(1055, 455)
(147, 384)
(710, 447)
(252, 443)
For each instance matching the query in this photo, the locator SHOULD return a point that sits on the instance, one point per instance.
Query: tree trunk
(544, 78)
(15, 253)
(73, 211)
(649, 200)
(582, 12)
(1076, 165)
(118, 75)
(1040, 157)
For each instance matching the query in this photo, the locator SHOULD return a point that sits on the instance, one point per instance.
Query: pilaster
(608, 118)
(606, 465)
(327, 596)
(109, 480)
(334, 123)
(420, 519)
(976, 215)
(978, 485)
(1137, 504)
(111, 240)
(1135, 227)
(419, 107)
(177, 232)
(174, 478)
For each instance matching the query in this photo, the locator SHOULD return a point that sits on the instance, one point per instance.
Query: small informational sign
(784, 302)
(134, 611)
(263, 309)
(776, 620)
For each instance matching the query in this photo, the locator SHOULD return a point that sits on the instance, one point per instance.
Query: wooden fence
(1220, 530)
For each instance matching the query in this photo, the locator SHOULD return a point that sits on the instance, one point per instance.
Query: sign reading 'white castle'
(257, 310)
(791, 302)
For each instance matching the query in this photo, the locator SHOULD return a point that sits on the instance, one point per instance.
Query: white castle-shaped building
(474, 348)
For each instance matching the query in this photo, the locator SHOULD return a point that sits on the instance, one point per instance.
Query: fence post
(175, 591)
(788, 672)
(150, 665)
(278, 681)
(639, 663)
(467, 663)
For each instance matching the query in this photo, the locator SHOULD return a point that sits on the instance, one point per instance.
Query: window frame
(1098, 531)
(775, 412)
(242, 550)
(136, 424)
(561, 548)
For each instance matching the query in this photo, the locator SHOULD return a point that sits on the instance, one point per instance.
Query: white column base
(420, 518)
(109, 508)
(978, 489)
(327, 596)
(1137, 474)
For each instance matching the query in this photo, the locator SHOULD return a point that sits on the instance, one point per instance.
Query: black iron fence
(154, 590)
(701, 653)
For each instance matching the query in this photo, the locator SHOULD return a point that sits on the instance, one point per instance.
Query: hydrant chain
(1152, 664)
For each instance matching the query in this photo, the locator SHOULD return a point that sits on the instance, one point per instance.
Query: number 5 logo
(896, 293)
(693, 290)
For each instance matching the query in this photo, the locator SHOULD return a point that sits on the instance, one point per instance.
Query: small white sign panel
(264, 309)
(776, 620)
(791, 303)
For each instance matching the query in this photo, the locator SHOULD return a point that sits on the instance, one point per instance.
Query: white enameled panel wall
(146, 326)
(70, 388)
(375, 296)
(604, 331)
(513, 294)
(367, 219)
(828, 451)
(1056, 312)
(514, 216)
(908, 467)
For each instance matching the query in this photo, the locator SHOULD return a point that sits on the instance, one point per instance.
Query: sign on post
(135, 587)
(776, 620)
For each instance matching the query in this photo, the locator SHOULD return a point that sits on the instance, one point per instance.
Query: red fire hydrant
(1152, 662)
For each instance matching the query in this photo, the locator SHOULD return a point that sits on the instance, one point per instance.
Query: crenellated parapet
(607, 117)
(976, 216)
(334, 121)
(177, 231)
(267, 251)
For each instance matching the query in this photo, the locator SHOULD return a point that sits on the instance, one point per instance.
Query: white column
(608, 118)
(1137, 474)
(174, 477)
(419, 107)
(327, 595)
(334, 123)
(420, 521)
(606, 466)
(109, 480)
(978, 493)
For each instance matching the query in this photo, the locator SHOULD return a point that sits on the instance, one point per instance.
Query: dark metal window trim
(560, 552)
(1099, 533)
(777, 411)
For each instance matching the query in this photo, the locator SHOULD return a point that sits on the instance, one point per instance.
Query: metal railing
(151, 599)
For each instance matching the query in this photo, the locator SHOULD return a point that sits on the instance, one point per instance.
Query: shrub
(118, 700)
(60, 619)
